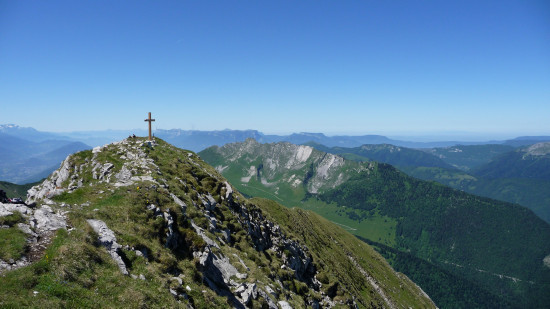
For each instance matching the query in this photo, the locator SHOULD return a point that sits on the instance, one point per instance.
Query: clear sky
(353, 67)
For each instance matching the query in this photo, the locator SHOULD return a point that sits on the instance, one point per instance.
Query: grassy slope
(333, 246)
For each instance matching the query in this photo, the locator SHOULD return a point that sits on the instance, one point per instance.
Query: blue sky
(479, 68)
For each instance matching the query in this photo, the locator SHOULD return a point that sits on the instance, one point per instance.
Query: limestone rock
(47, 220)
(108, 240)
(179, 202)
(51, 186)
(8, 209)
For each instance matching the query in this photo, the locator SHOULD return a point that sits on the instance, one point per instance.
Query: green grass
(12, 243)
(11, 220)
(75, 273)
(374, 227)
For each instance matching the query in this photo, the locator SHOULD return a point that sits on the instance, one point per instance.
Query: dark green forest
(451, 228)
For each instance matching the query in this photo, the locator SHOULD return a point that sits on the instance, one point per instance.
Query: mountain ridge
(185, 238)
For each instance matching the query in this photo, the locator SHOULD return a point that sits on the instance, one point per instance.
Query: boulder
(47, 220)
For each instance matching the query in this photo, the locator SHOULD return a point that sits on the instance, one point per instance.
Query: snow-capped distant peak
(9, 126)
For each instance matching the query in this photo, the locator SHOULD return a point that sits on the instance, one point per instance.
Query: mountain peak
(158, 222)
(9, 126)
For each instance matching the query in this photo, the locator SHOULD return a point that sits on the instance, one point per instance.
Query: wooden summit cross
(150, 120)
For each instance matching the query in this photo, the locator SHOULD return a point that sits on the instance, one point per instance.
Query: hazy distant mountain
(466, 157)
(27, 155)
(35, 161)
(18, 143)
(100, 138)
(385, 153)
(199, 140)
(526, 162)
(29, 134)
(527, 140)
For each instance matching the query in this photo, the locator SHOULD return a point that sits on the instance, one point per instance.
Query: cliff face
(283, 165)
(152, 225)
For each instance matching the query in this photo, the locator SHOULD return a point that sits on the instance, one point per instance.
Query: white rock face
(51, 186)
(38, 226)
(327, 168)
(539, 149)
(296, 165)
(251, 173)
(300, 156)
(47, 220)
(179, 202)
(107, 239)
(546, 261)
(8, 209)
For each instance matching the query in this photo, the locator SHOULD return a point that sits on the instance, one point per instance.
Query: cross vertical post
(150, 120)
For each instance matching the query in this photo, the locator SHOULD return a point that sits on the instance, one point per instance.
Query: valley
(469, 236)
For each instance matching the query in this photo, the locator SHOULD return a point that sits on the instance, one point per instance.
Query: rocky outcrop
(39, 226)
(51, 186)
(7, 209)
(108, 240)
(268, 235)
(45, 219)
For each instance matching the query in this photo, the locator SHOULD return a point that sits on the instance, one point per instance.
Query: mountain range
(497, 246)
(24, 156)
(199, 140)
(24, 161)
